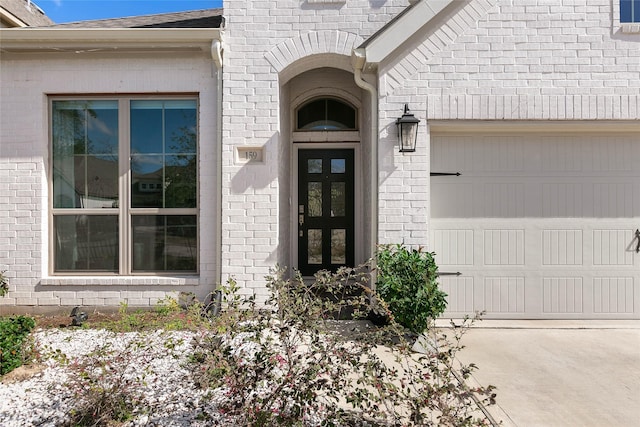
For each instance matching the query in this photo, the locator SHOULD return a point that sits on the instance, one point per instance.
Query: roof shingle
(206, 18)
(31, 15)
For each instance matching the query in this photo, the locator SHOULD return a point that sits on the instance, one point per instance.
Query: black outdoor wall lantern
(407, 131)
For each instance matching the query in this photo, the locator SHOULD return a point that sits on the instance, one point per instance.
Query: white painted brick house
(147, 156)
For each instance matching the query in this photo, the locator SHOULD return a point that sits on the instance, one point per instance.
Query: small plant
(168, 315)
(13, 337)
(4, 284)
(286, 364)
(106, 385)
(407, 281)
(167, 306)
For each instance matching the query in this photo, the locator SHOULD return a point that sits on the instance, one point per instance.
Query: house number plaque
(249, 155)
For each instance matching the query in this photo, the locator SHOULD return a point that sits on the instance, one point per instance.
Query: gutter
(106, 39)
(216, 56)
(358, 59)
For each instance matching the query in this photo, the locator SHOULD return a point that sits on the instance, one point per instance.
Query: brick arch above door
(312, 43)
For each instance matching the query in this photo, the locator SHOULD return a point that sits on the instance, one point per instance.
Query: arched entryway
(323, 119)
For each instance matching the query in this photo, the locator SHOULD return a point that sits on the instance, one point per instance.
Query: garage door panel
(539, 226)
(562, 295)
(459, 198)
(564, 199)
(613, 247)
(566, 154)
(501, 200)
(454, 247)
(562, 247)
(540, 197)
(503, 247)
(614, 295)
(460, 294)
(504, 294)
(493, 295)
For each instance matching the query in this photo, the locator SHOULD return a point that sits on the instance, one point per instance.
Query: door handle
(300, 219)
(638, 239)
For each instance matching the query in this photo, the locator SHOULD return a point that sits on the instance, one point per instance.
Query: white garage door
(539, 226)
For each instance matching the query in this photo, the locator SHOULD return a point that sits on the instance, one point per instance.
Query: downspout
(359, 58)
(216, 56)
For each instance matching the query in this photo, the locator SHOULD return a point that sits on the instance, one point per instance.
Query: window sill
(120, 281)
(630, 27)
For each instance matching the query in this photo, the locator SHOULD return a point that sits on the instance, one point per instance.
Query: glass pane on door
(314, 247)
(315, 199)
(338, 246)
(338, 165)
(338, 199)
(314, 166)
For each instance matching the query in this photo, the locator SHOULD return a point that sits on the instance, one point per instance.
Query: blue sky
(61, 11)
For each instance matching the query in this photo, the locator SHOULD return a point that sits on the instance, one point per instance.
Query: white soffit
(400, 30)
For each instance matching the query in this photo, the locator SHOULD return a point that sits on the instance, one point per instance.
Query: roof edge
(42, 38)
(11, 18)
(401, 28)
(144, 21)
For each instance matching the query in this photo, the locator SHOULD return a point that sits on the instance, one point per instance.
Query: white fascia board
(11, 18)
(403, 28)
(50, 38)
(457, 126)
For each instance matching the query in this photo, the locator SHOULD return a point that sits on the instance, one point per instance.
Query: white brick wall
(265, 43)
(530, 59)
(25, 82)
(490, 60)
(502, 60)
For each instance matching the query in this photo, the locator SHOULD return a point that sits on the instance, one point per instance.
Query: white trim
(108, 39)
(358, 226)
(326, 136)
(630, 27)
(533, 126)
(400, 30)
(323, 92)
(9, 17)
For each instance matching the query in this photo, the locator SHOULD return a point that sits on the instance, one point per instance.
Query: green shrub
(13, 333)
(407, 282)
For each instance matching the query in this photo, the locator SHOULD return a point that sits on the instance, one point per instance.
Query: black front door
(325, 210)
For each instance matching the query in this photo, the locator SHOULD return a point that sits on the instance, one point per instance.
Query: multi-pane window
(326, 114)
(629, 10)
(124, 194)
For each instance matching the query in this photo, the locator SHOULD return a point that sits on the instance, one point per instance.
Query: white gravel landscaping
(156, 360)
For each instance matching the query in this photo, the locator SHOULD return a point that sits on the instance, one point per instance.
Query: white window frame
(124, 210)
(624, 27)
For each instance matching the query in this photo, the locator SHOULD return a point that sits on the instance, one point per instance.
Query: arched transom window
(326, 114)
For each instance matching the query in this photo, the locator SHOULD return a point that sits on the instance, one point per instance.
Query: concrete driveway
(559, 373)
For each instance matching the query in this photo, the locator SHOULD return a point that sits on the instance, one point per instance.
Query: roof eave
(45, 39)
(6, 15)
(379, 46)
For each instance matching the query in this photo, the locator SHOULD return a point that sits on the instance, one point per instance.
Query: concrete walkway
(559, 373)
